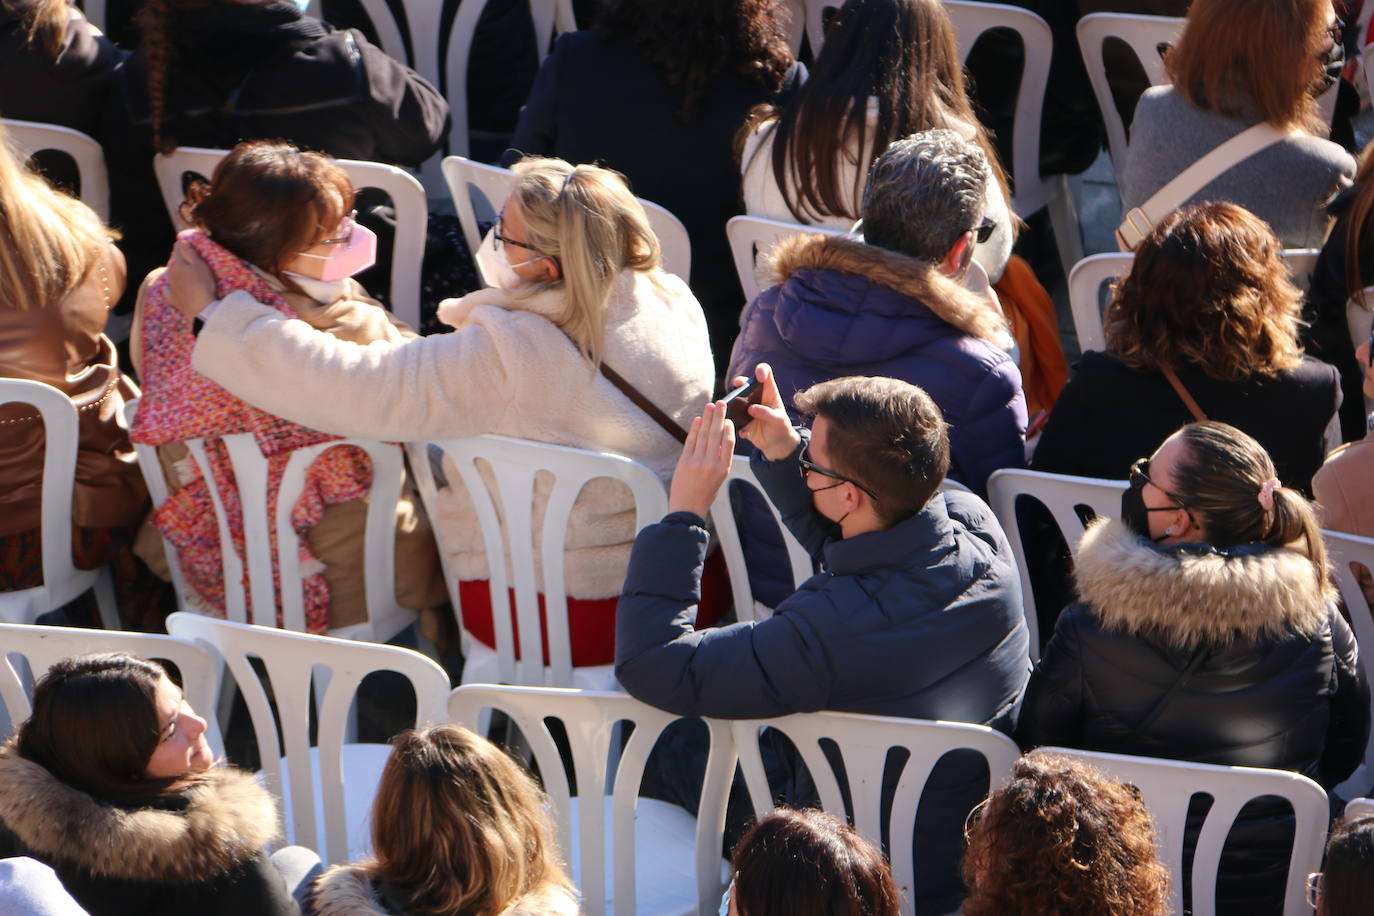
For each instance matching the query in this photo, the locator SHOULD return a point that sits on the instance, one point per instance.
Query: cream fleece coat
(347, 890)
(505, 369)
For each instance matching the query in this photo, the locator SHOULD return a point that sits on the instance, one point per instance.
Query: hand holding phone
(738, 401)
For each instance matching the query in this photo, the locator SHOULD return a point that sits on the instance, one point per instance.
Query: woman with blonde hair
(1206, 630)
(1237, 64)
(60, 273)
(1060, 839)
(1207, 314)
(580, 295)
(457, 828)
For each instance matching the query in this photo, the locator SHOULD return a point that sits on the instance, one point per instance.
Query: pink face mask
(354, 251)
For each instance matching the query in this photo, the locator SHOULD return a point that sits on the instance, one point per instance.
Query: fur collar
(1192, 599)
(227, 820)
(949, 301)
(347, 890)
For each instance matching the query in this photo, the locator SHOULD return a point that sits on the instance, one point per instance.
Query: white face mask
(495, 270)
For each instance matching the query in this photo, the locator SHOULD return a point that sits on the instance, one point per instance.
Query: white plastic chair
(1345, 551)
(32, 137)
(334, 782)
(1063, 496)
(723, 518)
(407, 198)
(863, 743)
(62, 581)
(1167, 786)
(1359, 807)
(513, 465)
(479, 191)
(1088, 275)
(752, 238)
(43, 647)
(1032, 190)
(385, 618)
(1144, 35)
(628, 854)
(550, 17)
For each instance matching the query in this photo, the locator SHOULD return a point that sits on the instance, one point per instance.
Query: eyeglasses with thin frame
(1314, 888)
(346, 227)
(809, 467)
(498, 239)
(1337, 31)
(1140, 475)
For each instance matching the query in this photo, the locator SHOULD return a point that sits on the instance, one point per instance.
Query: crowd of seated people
(898, 365)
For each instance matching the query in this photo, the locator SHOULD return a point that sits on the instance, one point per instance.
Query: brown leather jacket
(62, 344)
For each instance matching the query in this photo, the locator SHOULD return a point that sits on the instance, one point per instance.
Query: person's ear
(1185, 526)
(554, 272)
(958, 256)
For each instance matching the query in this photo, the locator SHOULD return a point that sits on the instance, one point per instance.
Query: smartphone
(737, 402)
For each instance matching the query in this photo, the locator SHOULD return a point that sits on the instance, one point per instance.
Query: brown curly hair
(1208, 288)
(691, 42)
(1060, 839)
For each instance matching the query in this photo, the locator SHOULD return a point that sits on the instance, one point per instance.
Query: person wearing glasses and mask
(917, 613)
(579, 294)
(276, 222)
(1206, 630)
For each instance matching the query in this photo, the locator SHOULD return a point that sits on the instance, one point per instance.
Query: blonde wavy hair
(586, 219)
(49, 240)
(459, 827)
(1207, 287)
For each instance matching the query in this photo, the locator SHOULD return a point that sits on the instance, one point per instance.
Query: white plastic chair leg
(1064, 221)
(105, 600)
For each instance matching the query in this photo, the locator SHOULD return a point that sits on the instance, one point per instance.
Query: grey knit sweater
(1286, 184)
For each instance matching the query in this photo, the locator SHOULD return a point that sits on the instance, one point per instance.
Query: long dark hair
(691, 42)
(904, 53)
(1359, 245)
(1348, 881)
(94, 725)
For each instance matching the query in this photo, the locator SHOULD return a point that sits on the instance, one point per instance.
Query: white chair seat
(665, 874)
(362, 771)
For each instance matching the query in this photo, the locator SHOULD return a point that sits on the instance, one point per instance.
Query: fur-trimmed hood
(946, 299)
(1193, 599)
(347, 890)
(227, 820)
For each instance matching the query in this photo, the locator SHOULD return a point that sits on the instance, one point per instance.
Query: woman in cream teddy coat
(580, 285)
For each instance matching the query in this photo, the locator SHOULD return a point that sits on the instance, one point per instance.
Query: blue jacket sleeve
(741, 671)
(536, 131)
(784, 486)
(992, 433)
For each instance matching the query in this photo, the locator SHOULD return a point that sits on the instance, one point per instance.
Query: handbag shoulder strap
(671, 426)
(1183, 394)
(1138, 221)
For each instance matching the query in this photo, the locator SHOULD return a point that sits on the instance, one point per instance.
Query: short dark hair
(1348, 881)
(923, 192)
(810, 863)
(268, 201)
(891, 438)
(94, 725)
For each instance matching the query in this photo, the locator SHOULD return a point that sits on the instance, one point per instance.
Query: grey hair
(923, 192)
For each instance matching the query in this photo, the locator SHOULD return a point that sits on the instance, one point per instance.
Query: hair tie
(567, 178)
(1266, 494)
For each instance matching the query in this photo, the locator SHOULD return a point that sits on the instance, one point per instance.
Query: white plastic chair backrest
(32, 137)
(1344, 551)
(407, 198)
(598, 759)
(1359, 807)
(863, 743)
(45, 646)
(157, 489)
(492, 185)
(1062, 495)
(550, 17)
(1144, 35)
(971, 20)
(514, 465)
(1167, 786)
(1088, 275)
(290, 660)
(62, 581)
(723, 518)
(752, 238)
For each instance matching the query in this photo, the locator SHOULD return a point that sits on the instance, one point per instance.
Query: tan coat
(1344, 488)
(348, 890)
(63, 345)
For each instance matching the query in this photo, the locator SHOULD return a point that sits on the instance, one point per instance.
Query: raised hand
(190, 284)
(771, 430)
(705, 462)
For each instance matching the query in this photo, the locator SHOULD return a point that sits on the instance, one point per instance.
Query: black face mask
(1333, 62)
(1134, 515)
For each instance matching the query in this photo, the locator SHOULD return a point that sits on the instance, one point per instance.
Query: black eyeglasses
(1337, 31)
(498, 239)
(346, 226)
(984, 231)
(808, 467)
(1140, 475)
